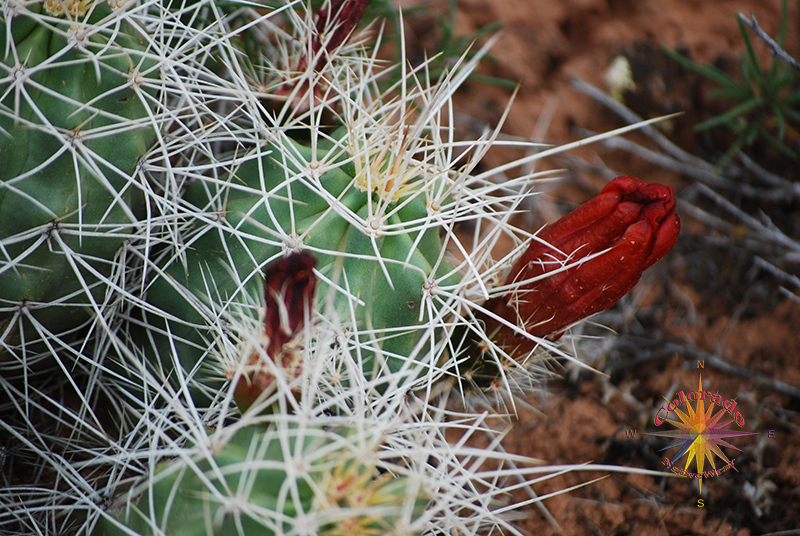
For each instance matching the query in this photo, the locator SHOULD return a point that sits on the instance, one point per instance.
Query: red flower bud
(289, 287)
(334, 26)
(586, 261)
(341, 19)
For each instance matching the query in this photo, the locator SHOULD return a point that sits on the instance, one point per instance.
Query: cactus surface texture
(265, 481)
(73, 127)
(374, 256)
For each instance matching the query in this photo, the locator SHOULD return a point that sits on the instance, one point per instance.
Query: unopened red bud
(586, 261)
(338, 23)
(335, 24)
(289, 287)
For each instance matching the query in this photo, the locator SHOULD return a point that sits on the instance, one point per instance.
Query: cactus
(375, 251)
(267, 480)
(73, 127)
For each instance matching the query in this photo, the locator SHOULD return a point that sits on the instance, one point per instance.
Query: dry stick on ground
(656, 350)
(777, 272)
(631, 117)
(677, 159)
(773, 193)
(781, 186)
(777, 50)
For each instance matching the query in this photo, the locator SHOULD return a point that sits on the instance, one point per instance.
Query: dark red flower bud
(289, 287)
(339, 21)
(586, 261)
(333, 27)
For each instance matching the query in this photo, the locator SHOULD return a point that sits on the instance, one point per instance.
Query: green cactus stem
(272, 199)
(267, 481)
(73, 126)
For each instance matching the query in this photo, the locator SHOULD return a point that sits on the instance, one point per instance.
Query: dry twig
(776, 49)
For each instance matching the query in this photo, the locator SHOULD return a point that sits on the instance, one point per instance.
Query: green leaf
(728, 117)
(791, 113)
(494, 81)
(781, 118)
(780, 146)
(739, 94)
(708, 71)
(784, 21)
(752, 66)
(791, 98)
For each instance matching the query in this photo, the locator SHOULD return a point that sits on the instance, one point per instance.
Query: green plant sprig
(765, 97)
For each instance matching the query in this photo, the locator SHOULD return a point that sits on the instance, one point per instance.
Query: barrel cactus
(74, 123)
